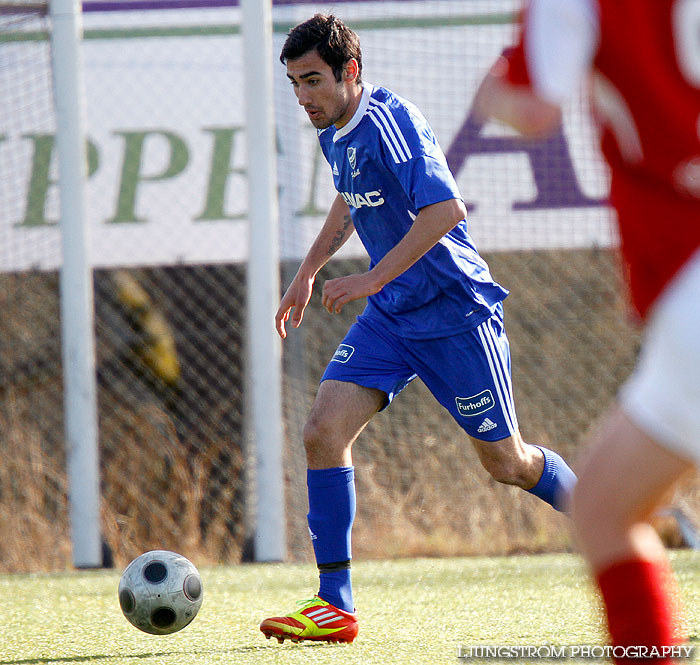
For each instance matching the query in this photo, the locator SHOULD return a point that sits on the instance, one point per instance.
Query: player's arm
(515, 105)
(337, 228)
(528, 83)
(431, 224)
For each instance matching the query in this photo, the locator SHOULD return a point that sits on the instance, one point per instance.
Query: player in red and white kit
(641, 59)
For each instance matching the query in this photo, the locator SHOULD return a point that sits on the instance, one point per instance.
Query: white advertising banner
(167, 159)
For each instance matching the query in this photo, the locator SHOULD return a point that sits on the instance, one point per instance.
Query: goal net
(32, 477)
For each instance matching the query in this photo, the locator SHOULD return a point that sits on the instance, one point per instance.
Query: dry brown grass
(421, 489)
(33, 503)
(152, 493)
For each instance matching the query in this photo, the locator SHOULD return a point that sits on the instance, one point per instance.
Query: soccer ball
(160, 592)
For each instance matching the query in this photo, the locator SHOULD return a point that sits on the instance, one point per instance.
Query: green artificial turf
(411, 611)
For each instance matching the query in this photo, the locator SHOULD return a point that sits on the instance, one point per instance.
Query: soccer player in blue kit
(433, 309)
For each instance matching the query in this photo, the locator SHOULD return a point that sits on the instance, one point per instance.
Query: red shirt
(644, 59)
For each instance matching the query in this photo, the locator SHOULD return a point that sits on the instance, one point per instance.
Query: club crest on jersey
(476, 404)
(352, 158)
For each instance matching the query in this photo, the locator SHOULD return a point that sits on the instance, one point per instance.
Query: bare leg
(340, 412)
(623, 479)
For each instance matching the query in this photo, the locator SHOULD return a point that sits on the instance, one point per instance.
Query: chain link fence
(167, 204)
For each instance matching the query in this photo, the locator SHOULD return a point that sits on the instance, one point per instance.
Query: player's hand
(342, 290)
(295, 298)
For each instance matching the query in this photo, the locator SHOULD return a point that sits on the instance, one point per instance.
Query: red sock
(641, 602)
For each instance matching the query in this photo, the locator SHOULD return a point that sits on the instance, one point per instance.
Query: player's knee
(589, 513)
(320, 437)
(599, 513)
(510, 461)
(313, 435)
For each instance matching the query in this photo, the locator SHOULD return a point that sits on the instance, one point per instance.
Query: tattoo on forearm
(339, 236)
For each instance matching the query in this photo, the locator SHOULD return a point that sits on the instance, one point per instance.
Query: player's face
(325, 100)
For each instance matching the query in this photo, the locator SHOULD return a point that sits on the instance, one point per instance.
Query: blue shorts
(468, 373)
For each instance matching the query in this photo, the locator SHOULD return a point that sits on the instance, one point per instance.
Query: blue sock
(331, 514)
(557, 481)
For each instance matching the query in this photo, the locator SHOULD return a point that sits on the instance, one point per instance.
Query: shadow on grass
(122, 656)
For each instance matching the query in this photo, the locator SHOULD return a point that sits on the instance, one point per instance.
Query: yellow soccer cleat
(316, 620)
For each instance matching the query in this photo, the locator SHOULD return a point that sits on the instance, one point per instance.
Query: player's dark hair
(334, 41)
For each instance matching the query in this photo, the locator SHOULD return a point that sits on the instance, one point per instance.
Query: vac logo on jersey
(352, 158)
(343, 353)
(370, 199)
(476, 404)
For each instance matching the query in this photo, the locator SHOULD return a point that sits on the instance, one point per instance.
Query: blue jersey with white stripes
(387, 165)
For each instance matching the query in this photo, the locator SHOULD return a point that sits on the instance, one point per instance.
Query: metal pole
(77, 312)
(263, 282)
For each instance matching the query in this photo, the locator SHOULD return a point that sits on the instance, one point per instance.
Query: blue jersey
(387, 165)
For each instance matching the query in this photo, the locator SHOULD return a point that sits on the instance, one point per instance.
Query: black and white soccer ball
(160, 592)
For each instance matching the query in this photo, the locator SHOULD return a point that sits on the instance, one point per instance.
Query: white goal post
(263, 284)
(77, 310)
